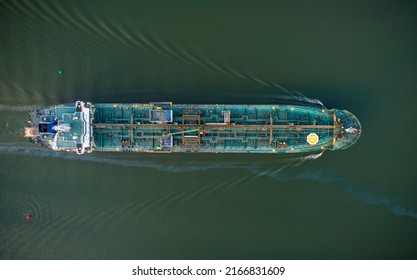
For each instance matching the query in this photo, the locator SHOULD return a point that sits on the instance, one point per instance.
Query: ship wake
(363, 193)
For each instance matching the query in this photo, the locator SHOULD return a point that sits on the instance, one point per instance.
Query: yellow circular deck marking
(312, 138)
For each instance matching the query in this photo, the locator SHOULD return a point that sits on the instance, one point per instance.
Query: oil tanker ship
(163, 127)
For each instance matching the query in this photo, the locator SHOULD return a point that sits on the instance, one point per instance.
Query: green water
(358, 203)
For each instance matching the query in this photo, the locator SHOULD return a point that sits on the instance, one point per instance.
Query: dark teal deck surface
(214, 128)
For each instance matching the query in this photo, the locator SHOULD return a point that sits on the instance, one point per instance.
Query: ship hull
(163, 127)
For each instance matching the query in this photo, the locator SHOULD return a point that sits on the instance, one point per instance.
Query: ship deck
(163, 127)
